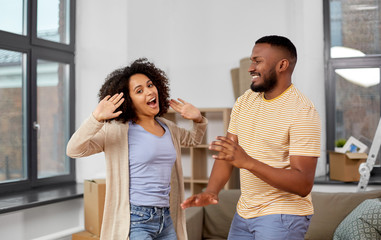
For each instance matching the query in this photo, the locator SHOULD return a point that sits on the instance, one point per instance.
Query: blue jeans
(270, 227)
(151, 223)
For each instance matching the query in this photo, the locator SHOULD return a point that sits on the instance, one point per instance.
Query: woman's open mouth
(152, 103)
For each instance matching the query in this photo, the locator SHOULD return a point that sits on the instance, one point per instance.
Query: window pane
(12, 146)
(12, 16)
(357, 103)
(53, 118)
(355, 27)
(53, 20)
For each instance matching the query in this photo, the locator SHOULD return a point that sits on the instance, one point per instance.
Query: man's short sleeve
(305, 133)
(233, 118)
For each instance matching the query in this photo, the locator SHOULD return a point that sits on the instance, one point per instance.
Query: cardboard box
(84, 236)
(94, 201)
(345, 166)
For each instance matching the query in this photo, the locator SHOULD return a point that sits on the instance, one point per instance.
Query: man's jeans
(270, 227)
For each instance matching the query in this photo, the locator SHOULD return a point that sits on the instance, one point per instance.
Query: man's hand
(199, 200)
(229, 150)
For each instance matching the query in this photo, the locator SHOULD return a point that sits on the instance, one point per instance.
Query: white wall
(197, 43)
(53, 221)
(101, 47)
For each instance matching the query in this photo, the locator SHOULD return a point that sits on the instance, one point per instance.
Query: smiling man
(274, 139)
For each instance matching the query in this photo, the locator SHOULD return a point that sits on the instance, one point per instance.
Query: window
(52, 118)
(53, 20)
(37, 93)
(353, 58)
(12, 147)
(13, 16)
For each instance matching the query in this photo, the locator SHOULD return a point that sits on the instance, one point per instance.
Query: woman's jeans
(151, 223)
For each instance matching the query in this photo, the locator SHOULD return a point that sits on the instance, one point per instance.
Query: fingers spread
(119, 103)
(119, 96)
(117, 114)
(113, 97)
(175, 105)
(181, 100)
(106, 98)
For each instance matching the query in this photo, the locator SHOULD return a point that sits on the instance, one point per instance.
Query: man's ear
(283, 65)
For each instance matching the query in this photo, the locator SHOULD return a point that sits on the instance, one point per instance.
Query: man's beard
(268, 83)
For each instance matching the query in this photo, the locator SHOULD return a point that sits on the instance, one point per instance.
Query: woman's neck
(146, 120)
(151, 125)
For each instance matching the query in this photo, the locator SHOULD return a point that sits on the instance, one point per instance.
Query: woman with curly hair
(144, 180)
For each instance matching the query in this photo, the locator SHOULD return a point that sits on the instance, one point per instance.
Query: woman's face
(144, 96)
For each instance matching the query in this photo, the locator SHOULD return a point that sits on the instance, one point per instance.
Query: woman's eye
(150, 85)
(139, 91)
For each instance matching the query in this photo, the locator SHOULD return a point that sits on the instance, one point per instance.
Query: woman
(144, 181)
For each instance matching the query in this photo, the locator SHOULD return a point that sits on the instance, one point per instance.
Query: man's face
(263, 68)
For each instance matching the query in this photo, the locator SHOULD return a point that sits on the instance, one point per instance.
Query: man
(274, 139)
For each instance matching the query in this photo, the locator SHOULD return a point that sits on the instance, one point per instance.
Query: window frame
(38, 49)
(371, 61)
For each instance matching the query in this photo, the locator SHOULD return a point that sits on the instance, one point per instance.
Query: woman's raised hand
(187, 110)
(106, 108)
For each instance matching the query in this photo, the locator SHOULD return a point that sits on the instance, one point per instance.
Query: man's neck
(277, 91)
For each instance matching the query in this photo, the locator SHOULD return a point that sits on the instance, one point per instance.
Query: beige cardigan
(112, 139)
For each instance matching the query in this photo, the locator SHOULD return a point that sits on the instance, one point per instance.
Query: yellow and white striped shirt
(271, 131)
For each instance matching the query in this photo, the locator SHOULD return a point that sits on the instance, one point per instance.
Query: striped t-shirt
(271, 131)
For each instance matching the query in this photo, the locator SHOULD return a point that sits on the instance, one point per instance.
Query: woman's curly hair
(118, 81)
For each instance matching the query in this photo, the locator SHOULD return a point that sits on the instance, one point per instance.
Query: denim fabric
(151, 223)
(270, 227)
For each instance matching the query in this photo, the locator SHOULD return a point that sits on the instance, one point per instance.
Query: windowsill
(375, 179)
(39, 197)
(53, 194)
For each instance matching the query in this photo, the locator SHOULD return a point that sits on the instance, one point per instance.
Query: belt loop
(155, 210)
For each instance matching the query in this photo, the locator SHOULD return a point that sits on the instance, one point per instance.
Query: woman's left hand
(187, 110)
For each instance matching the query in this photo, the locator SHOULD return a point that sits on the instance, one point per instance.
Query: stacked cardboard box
(94, 200)
(345, 166)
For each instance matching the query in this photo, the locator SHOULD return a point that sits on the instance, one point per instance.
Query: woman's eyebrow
(137, 87)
